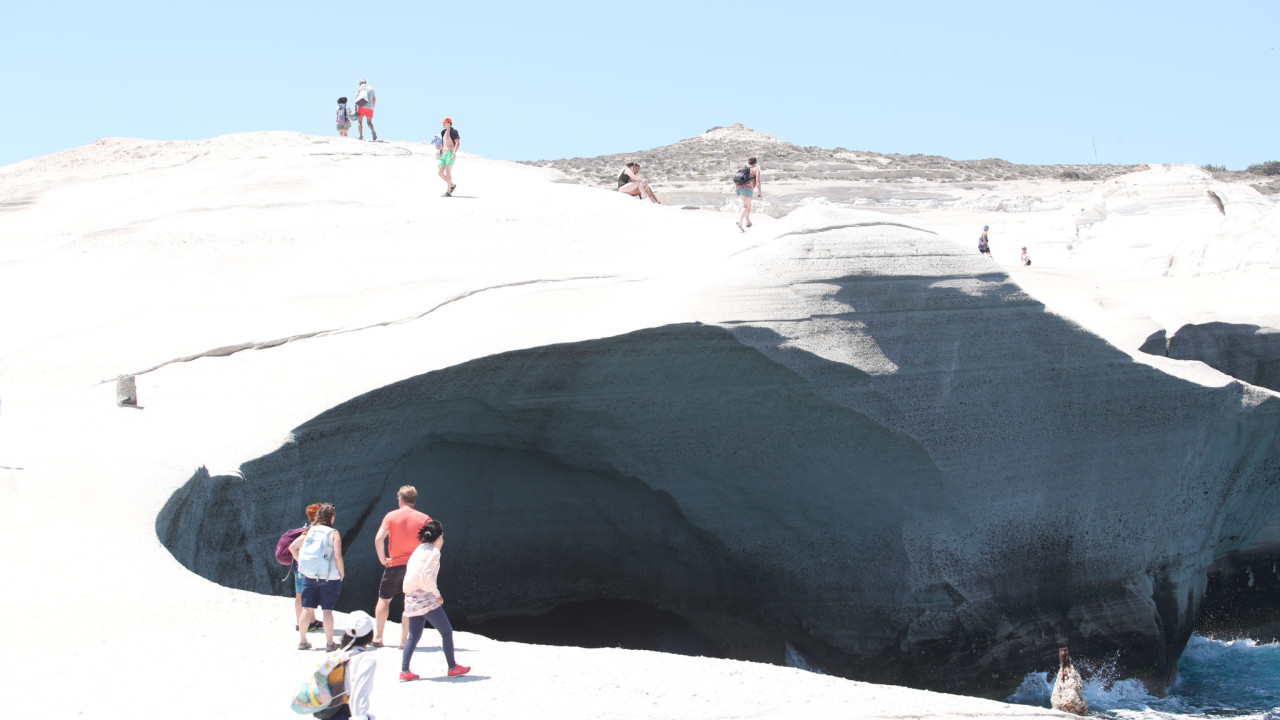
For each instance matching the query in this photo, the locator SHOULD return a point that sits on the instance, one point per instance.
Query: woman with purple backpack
(285, 557)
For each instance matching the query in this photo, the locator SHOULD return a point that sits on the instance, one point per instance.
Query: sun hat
(361, 624)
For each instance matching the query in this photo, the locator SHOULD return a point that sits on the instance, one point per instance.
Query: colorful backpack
(342, 114)
(325, 692)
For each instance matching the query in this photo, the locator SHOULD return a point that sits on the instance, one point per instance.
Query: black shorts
(392, 582)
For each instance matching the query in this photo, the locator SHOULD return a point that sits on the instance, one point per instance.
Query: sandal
(304, 645)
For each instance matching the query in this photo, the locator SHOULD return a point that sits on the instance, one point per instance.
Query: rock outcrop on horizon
(715, 154)
(881, 451)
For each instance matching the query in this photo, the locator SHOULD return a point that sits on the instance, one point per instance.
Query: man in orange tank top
(399, 529)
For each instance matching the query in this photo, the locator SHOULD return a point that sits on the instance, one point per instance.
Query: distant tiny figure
(319, 553)
(366, 100)
(1068, 687)
(1026, 259)
(984, 245)
(423, 602)
(395, 541)
(746, 186)
(450, 141)
(630, 182)
(343, 117)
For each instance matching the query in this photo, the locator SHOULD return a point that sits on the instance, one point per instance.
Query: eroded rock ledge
(969, 485)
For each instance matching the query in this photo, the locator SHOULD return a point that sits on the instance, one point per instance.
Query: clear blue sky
(1030, 82)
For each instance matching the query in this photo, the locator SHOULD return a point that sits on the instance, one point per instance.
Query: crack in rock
(228, 350)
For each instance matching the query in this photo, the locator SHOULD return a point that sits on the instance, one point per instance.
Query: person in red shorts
(366, 99)
(399, 530)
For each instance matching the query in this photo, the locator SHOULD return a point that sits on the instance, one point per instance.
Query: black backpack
(743, 176)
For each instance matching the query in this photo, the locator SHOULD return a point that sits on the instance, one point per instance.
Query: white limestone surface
(342, 263)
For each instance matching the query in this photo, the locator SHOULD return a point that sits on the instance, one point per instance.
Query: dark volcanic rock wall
(968, 485)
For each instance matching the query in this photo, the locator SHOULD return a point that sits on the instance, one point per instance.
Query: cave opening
(626, 624)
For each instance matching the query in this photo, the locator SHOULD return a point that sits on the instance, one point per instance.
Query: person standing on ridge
(449, 143)
(746, 185)
(343, 117)
(366, 99)
(399, 531)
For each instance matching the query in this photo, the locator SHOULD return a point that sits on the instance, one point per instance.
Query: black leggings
(440, 621)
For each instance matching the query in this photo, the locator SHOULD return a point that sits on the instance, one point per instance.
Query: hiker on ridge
(399, 530)
(366, 99)
(984, 245)
(342, 118)
(449, 143)
(746, 184)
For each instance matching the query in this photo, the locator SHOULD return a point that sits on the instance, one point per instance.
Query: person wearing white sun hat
(361, 665)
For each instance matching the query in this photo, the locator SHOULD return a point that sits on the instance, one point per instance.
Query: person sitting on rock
(631, 183)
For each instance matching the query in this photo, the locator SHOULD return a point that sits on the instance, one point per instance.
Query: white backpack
(315, 558)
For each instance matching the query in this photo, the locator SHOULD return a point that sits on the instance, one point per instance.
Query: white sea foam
(1237, 679)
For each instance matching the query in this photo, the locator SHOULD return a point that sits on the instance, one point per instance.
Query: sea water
(1216, 679)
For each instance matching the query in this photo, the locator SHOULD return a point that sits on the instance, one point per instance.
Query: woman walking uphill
(422, 600)
(746, 184)
(319, 553)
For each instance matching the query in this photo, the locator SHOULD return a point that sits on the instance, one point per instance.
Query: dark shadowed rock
(889, 457)
(1156, 344)
(1246, 352)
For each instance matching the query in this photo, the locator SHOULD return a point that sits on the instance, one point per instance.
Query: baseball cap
(447, 120)
(361, 624)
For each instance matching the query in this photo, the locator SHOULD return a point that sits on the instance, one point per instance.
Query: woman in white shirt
(422, 600)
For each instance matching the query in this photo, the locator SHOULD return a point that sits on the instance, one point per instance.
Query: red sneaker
(457, 670)
(407, 676)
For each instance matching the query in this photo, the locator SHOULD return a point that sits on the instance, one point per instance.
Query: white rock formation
(872, 427)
